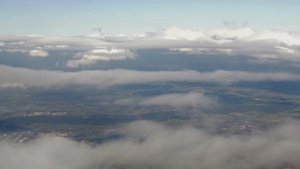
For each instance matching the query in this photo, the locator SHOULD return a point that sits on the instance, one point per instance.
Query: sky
(74, 17)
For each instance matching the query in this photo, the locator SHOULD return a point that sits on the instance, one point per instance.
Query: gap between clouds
(23, 77)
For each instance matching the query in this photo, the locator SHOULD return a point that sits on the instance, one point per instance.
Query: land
(89, 114)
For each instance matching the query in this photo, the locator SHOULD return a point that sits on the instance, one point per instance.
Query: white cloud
(80, 62)
(101, 54)
(287, 37)
(175, 33)
(151, 145)
(269, 43)
(104, 78)
(192, 99)
(38, 53)
(281, 44)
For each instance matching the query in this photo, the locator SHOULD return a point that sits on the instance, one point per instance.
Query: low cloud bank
(22, 77)
(151, 145)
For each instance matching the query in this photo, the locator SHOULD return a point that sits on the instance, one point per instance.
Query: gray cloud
(192, 99)
(149, 144)
(10, 76)
(118, 77)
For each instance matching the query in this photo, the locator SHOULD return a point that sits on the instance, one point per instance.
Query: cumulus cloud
(192, 99)
(105, 78)
(91, 57)
(89, 47)
(278, 44)
(175, 33)
(151, 145)
(38, 53)
(80, 62)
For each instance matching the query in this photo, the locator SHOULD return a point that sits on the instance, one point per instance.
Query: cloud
(89, 49)
(151, 145)
(38, 53)
(289, 38)
(13, 85)
(15, 50)
(278, 44)
(80, 62)
(192, 99)
(275, 44)
(175, 33)
(91, 57)
(33, 53)
(105, 78)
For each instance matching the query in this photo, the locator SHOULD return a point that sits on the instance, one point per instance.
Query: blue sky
(74, 17)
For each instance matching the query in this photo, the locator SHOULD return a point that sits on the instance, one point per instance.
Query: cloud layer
(148, 144)
(22, 77)
(275, 44)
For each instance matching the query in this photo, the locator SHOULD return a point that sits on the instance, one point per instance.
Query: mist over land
(165, 89)
(147, 144)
